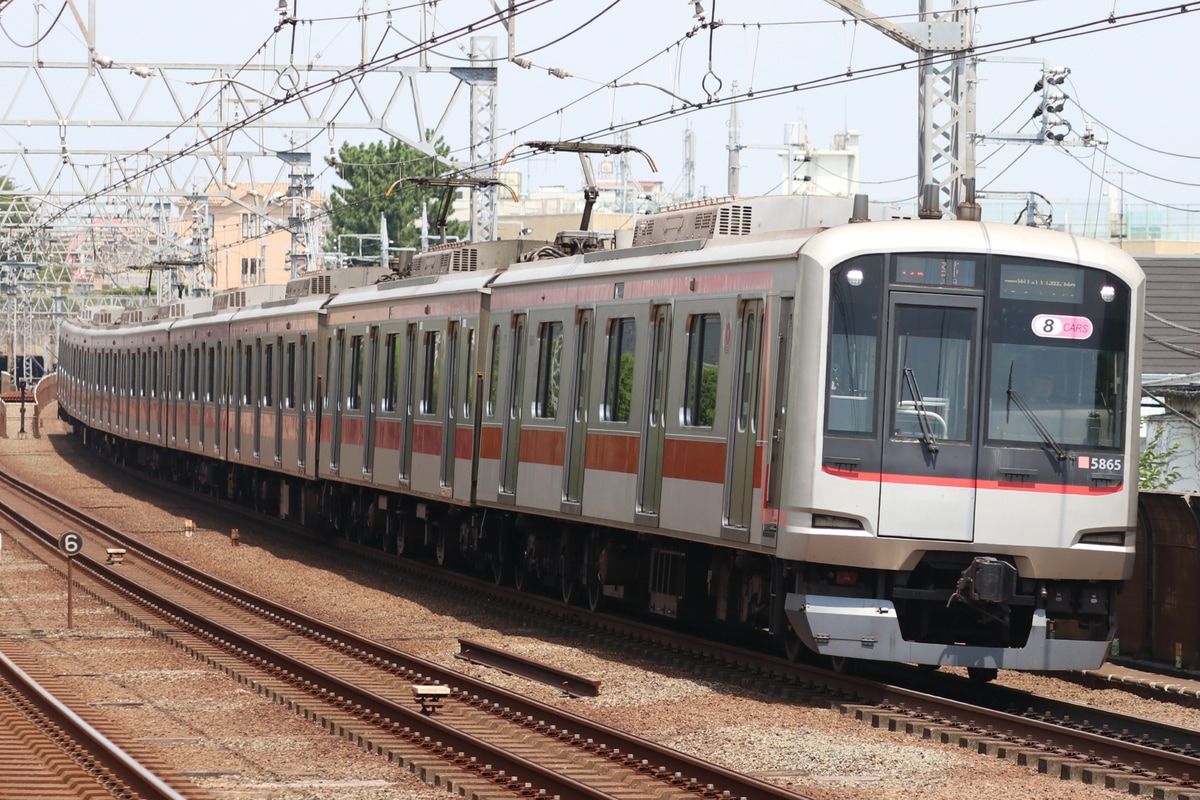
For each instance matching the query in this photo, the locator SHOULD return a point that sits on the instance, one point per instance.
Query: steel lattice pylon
(943, 41)
(484, 223)
(135, 140)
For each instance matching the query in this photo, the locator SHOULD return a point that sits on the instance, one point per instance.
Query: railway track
(1069, 741)
(50, 752)
(456, 731)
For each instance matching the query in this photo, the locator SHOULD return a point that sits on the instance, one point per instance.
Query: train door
(215, 392)
(175, 396)
(930, 438)
(410, 390)
(449, 425)
(287, 396)
(298, 380)
(126, 390)
(303, 400)
(577, 421)
(334, 390)
(156, 391)
(743, 424)
(139, 384)
(262, 390)
(242, 396)
(654, 421)
(510, 450)
(203, 397)
(371, 400)
(274, 391)
(783, 356)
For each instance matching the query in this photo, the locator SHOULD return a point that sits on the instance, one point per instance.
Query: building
(248, 235)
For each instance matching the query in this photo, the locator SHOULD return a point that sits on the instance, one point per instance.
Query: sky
(806, 62)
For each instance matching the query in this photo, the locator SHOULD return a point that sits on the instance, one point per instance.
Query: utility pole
(1122, 232)
(689, 163)
(734, 184)
(300, 185)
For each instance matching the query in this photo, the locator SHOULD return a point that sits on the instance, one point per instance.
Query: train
(904, 440)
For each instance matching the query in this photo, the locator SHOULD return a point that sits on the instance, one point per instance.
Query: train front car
(967, 492)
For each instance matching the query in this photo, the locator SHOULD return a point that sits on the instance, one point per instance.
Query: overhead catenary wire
(519, 7)
(1083, 29)
(41, 38)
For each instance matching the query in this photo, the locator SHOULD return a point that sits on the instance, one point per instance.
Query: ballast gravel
(239, 746)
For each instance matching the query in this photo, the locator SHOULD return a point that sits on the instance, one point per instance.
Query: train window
(410, 378)
(289, 381)
(451, 370)
(469, 397)
(328, 373)
(195, 387)
(1057, 355)
(618, 369)
(494, 372)
(747, 416)
(934, 373)
(268, 371)
(703, 351)
(211, 382)
(391, 372)
(550, 336)
(433, 366)
(371, 367)
(354, 401)
(247, 375)
(154, 374)
(855, 296)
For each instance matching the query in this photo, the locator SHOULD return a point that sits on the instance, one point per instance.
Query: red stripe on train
(968, 483)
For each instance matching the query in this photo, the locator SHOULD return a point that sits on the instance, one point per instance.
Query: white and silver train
(909, 440)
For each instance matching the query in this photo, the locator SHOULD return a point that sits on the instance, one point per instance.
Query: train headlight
(854, 277)
(1107, 293)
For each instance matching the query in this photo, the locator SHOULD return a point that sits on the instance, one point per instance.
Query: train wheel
(793, 648)
(520, 574)
(522, 564)
(982, 674)
(499, 556)
(570, 586)
(842, 665)
(439, 547)
(401, 534)
(595, 595)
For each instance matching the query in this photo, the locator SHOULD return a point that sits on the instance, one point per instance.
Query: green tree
(1155, 471)
(367, 172)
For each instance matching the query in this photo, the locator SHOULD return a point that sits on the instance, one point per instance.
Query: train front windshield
(1049, 340)
(1057, 338)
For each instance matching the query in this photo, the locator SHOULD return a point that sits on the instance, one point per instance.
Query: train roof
(924, 236)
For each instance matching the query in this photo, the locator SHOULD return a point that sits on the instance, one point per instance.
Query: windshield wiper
(910, 380)
(1013, 397)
